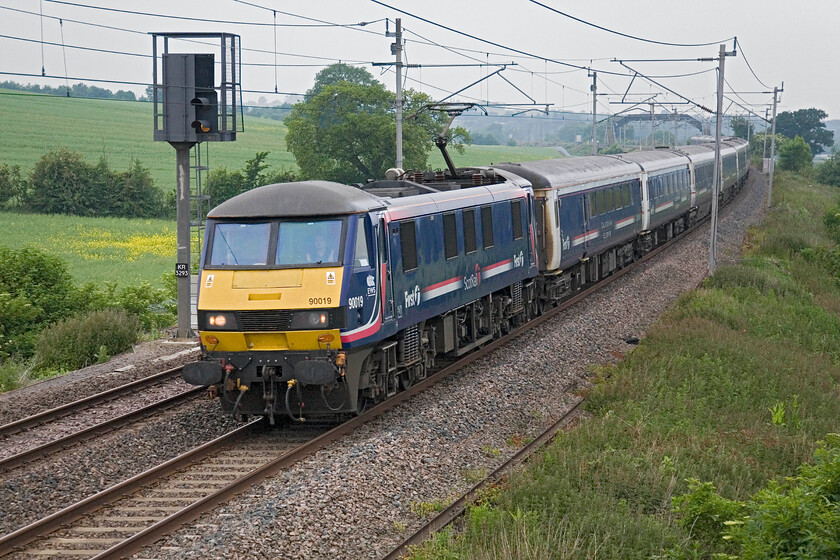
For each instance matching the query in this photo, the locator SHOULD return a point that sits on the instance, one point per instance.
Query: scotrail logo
(412, 298)
(474, 279)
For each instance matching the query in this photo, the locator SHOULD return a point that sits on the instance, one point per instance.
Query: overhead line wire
(207, 20)
(489, 42)
(625, 34)
(744, 56)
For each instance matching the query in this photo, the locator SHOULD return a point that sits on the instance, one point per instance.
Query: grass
(119, 131)
(734, 385)
(126, 251)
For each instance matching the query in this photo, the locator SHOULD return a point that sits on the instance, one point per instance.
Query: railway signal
(189, 108)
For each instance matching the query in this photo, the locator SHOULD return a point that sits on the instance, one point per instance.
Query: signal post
(190, 108)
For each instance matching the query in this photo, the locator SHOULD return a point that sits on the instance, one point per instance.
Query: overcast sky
(792, 42)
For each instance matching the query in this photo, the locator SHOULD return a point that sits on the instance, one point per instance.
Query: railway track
(126, 517)
(459, 506)
(62, 439)
(62, 411)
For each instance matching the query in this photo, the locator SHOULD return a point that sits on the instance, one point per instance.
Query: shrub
(13, 375)
(80, 341)
(41, 278)
(798, 518)
(14, 188)
(63, 183)
(148, 304)
(795, 155)
(828, 172)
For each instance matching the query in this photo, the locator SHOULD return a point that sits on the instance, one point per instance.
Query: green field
(123, 250)
(120, 130)
(97, 249)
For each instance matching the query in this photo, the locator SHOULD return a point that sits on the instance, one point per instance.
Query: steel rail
(87, 402)
(98, 429)
(458, 507)
(14, 541)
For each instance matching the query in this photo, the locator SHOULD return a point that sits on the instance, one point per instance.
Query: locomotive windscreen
(315, 242)
(298, 243)
(240, 244)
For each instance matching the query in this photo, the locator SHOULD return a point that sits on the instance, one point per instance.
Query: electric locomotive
(316, 299)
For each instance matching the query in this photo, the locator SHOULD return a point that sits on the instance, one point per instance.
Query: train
(318, 299)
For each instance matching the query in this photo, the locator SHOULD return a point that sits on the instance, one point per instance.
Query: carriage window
(516, 216)
(627, 194)
(408, 241)
(450, 236)
(361, 259)
(469, 231)
(240, 244)
(487, 226)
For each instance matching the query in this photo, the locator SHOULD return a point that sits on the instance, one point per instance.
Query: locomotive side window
(240, 244)
(516, 216)
(408, 242)
(361, 259)
(487, 226)
(469, 231)
(450, 236)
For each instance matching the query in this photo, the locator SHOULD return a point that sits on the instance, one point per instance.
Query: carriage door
(385, 265)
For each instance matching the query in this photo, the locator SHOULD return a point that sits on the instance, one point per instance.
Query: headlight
(303, 320)
(218, 321)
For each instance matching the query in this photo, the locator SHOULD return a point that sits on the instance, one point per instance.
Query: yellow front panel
(291, 340)
(308, 288)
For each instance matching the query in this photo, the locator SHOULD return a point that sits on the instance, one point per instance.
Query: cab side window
(408, 242)
(361, 259)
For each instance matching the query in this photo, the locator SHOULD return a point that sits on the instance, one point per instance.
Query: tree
(223, 184)
(62, 184)
(346, 132)
(757, 145)
(795, 155)
(14, 188)
(340, 72)
(807, 124)
(828, 172)
(741, 127)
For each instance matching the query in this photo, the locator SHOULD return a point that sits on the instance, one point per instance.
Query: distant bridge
(661, 117)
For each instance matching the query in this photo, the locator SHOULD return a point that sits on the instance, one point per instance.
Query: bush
(13, 375)
(91, 338)
(828, 172)
(796, 518)
(13, 187)
(40, 278)
(63, 183)
(795, 155)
